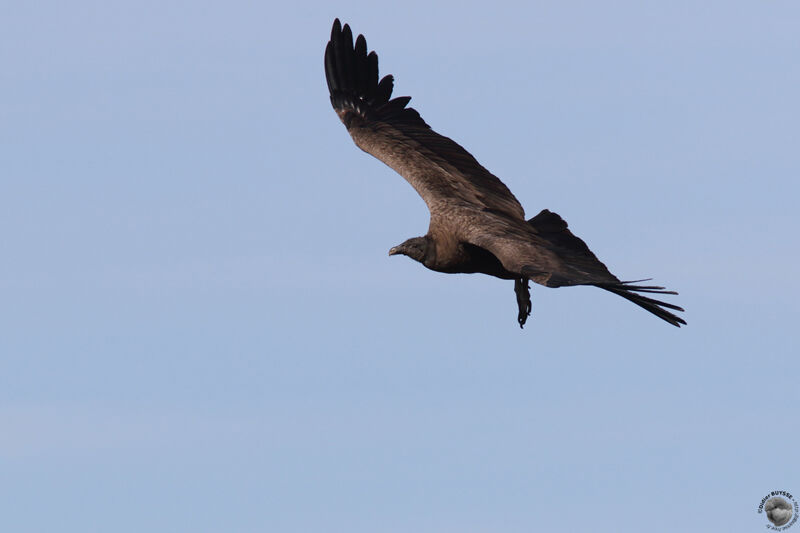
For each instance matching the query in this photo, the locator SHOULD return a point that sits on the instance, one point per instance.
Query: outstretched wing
(542, 249)
(547, 252)
(440, 170)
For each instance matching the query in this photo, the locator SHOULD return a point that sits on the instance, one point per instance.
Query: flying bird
(476, 224)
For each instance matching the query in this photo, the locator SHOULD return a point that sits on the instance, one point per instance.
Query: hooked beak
(394, 251)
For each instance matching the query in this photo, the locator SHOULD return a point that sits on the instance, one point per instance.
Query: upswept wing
(441, 171)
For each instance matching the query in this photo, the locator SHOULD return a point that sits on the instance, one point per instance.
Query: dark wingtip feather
(349, 59)
(384, 90)
(657, 307)
(645, 288)
(362, 65)
(353, 83)
(372, 70)
(330, 69)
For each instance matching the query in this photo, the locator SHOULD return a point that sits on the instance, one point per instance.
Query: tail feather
(629, 292)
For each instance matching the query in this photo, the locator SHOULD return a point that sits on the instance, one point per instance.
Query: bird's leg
(523, 300)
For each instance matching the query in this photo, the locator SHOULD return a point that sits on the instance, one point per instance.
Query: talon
(522, 289)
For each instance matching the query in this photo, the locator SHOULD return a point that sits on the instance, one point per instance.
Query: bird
(476, 224)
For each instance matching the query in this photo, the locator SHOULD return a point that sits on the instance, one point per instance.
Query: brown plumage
(476, 224)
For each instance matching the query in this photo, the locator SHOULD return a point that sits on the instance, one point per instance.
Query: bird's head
(419, 249)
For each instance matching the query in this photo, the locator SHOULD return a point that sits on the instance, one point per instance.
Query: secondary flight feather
(477, 225)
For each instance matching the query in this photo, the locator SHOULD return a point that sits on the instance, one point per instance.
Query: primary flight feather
(476, 224)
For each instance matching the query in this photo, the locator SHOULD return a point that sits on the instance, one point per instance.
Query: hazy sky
(201, 330)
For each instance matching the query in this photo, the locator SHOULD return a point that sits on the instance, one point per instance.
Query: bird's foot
(522, 290)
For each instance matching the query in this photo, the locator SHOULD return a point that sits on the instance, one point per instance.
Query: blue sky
(202, 331)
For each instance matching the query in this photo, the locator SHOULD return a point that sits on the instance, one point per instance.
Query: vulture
(476, 224)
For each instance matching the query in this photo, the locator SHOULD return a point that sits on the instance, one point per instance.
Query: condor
(476, 224)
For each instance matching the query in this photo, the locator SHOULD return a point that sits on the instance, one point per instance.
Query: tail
(629, 292)
(554, 229)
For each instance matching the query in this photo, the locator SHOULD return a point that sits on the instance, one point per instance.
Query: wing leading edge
(440, 170)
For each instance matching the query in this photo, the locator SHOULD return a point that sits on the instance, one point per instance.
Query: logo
(781, 509)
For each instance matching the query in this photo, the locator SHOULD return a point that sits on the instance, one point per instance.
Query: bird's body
(476, 225)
